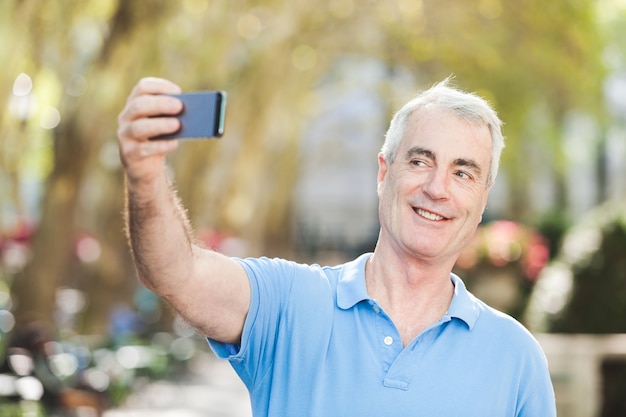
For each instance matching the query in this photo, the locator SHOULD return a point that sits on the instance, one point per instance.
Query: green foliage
(521, 54)
(598, 299)
(553, 225)
(534, 60)
(22, 409)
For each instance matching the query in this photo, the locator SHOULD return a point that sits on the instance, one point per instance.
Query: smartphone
(202, 115)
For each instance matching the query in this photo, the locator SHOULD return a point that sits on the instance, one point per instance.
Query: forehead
(446, 133)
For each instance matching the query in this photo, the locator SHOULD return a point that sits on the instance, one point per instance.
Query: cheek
(385, 189)
(476, 200)
(386, 199)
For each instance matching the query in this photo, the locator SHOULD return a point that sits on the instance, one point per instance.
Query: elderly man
(391, 333)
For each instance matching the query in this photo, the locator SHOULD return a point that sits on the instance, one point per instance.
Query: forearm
(209, 290)
(159, 234)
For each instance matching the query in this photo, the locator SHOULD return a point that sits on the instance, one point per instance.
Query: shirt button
(388, 340)
(376, 309)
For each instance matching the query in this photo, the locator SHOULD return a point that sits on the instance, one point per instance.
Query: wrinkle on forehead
(421, 116)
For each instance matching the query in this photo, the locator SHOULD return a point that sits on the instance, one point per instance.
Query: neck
(402, 272)
(413, 293)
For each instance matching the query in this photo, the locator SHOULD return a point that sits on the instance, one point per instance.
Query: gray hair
(467, 106)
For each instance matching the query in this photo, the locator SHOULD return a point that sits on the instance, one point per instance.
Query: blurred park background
(311, 87)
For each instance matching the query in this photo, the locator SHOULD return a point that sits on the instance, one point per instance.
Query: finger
(134, 151)
(154, 85)
(144, 128)
(149, 106)
(154, 148)
(149, 98)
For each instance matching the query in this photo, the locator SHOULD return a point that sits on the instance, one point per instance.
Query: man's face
(433, 195)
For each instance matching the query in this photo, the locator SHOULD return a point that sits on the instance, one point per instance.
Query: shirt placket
(400, 365)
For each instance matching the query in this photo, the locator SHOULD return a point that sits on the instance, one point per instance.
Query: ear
(383, 168)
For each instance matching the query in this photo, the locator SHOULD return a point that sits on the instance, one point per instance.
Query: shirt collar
(351, 290)
(464, 305)
(351, 286)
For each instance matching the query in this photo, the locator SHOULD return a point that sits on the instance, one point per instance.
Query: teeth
(429, 215)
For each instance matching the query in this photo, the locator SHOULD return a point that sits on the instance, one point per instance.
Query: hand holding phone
(202, 115)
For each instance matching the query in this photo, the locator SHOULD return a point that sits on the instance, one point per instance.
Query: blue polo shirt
(315, 344)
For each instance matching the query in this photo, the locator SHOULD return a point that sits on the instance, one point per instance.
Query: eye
(464, 175)
(417, 162)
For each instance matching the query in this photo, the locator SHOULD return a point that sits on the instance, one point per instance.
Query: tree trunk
(35, 286)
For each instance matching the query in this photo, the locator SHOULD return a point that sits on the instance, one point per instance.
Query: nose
(437, 185)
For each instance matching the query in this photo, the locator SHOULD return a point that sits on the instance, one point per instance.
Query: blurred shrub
(583, 290)
(502, 263)
(598, 299)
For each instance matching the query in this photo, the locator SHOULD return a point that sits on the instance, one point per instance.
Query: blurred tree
(534, 61)
(82, 52)
(84, 57)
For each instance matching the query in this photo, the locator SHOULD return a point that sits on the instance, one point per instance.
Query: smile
(428, 215)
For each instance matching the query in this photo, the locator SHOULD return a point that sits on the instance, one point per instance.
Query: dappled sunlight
(311, 87)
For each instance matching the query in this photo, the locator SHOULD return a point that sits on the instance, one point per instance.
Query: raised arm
(209, 290)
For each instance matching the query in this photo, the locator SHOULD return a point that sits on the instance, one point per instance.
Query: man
(392, 333)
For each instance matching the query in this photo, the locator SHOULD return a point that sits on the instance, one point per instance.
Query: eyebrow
(418, 150)
(459, 162)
